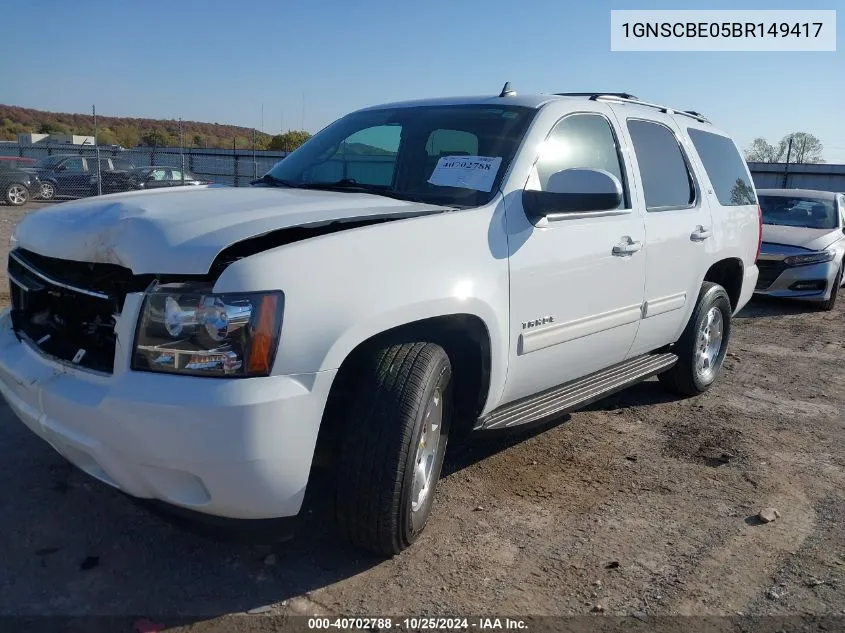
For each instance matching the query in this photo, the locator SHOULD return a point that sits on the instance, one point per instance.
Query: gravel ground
(641, 504)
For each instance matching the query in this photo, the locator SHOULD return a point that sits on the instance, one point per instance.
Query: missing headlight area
(68, 309)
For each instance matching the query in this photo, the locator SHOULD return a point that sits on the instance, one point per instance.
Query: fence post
(235, 161)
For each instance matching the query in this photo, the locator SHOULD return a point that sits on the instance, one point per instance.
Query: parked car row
(77, 176)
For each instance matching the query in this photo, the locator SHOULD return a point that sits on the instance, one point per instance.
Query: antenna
(507, 91)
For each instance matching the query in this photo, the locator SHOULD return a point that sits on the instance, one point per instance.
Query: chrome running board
(577, 393)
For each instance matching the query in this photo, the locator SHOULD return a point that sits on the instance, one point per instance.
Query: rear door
(678, 228)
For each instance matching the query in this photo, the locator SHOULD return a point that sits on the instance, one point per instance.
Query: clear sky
(221, 60)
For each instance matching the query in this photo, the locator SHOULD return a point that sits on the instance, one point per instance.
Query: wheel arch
(728, 273)
(466, 339)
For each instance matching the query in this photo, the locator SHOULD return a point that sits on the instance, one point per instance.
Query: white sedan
(803, 244)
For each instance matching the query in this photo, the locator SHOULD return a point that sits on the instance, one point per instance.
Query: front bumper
(34, 188)
(784, 278)
(236, 448)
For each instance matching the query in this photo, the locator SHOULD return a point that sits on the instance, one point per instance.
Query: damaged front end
(69, 309)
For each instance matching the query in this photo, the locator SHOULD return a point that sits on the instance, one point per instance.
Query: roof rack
(596, 95)
(624, 97)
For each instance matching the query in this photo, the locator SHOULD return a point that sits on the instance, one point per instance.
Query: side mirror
(574, 191)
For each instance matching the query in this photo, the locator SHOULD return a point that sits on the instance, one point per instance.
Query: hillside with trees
(129, 132)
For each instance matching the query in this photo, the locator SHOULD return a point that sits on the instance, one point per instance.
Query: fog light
(812, 284)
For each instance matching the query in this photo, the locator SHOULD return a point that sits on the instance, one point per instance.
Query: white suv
(415, 270)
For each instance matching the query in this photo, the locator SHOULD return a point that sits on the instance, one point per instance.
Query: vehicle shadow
(774, 307)
(483, 444)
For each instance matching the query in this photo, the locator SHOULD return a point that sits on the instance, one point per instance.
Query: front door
(73, 179)
(576, 282)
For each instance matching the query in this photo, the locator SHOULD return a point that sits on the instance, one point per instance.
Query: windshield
(49, 161)
(404, 153)
(811, 213)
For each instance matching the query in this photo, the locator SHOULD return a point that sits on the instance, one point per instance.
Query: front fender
(346, 287)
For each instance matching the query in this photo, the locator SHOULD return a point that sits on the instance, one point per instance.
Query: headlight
(187, 329)
(811, 258)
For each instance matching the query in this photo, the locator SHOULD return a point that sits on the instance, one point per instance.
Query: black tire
(685, 377)
(384, 426)
(48, 191)
(828, 305)
(16, 194)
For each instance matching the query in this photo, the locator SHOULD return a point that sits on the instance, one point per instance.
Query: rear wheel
(834, 291)
(395, 438)
(16, 194)
(703, 344)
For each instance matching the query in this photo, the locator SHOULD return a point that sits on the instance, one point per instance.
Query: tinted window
(725, 168)
(812, 213)
(666, 179)
(73, 165)
(583, 141)
(49, 161)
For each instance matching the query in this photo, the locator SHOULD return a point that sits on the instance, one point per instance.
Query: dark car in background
(157, 177)
(18, 184)
(17, 161)
(76, 176)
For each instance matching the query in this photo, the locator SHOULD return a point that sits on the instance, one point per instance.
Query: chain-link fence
(58, 158)
(73, 171)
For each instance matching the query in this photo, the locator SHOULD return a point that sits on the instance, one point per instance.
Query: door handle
(626, 247)
(700, 234)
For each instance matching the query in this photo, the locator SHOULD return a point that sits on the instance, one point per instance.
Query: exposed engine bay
(69, 309)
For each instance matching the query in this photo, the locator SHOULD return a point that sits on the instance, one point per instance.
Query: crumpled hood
(811, 239)
(181, 231)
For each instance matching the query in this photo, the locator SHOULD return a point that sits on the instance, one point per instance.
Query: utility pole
(786, 166)
(182, 150)
(97, 152)
(302, 125)
(254, 159)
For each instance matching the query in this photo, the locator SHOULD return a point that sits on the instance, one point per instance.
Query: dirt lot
(642, 504)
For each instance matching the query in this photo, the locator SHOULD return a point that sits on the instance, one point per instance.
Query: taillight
(759, 233)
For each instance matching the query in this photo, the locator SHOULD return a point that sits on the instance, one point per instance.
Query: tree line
(130, 132)
(805, 148)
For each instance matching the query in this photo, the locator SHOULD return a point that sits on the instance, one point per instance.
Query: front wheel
(48, 191)
(834, 291)
(395, 438)
(16, 194)
(703, 344)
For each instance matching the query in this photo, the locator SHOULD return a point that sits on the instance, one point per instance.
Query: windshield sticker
(467, 172)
